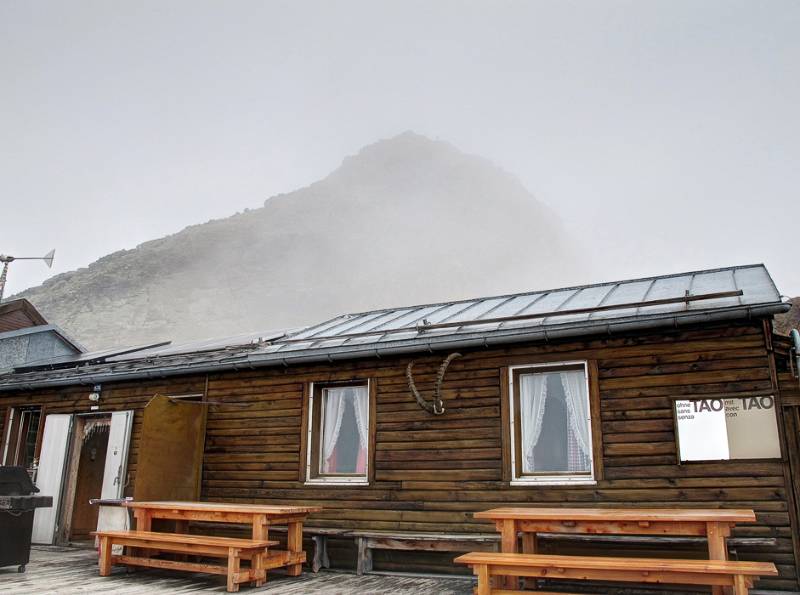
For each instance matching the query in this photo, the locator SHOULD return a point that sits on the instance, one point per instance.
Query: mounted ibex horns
(437, 406)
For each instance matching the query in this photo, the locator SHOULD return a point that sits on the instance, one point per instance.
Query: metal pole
(3, 276)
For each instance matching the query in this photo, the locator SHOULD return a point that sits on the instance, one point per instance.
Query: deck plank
(65, 570)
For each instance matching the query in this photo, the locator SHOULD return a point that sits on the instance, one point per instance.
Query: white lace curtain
(533, 397)
(577, 399)
(335, 404)
(533, 388)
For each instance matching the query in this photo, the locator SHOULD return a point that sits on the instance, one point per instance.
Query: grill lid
(15, 481)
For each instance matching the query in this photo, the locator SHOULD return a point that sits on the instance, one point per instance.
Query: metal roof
(86, 357)
(669, 300)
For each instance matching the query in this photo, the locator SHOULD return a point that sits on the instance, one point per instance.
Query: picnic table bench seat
(229, 548)
(319, 537)
(736, 574)
(366, 541)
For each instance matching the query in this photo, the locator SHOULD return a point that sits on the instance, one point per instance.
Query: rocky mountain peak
(405, 220)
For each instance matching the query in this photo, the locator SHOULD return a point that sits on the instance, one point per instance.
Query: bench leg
(104, 561)
(233, 570)
(294, 543)
(484, 587)
(364, 563)
(144, 522)
(530, 545)
(257, 564)
(508, 538)
(717, 533)
(740, 585)
(320, 553)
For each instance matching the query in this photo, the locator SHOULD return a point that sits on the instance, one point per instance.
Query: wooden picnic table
(713, 523)
(258, 516)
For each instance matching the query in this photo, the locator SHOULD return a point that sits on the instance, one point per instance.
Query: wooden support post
(294, 543)
(530, 545)
(104, 560)
(484, 587)
(740, 585)
(260, 527)
(320, 559)
(364, 562)
(509, 546)
(717, 533)
(233, 570)
(257, 565)
(144, 522)
(260, 531)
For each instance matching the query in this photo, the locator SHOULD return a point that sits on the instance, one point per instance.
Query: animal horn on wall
(437, 406)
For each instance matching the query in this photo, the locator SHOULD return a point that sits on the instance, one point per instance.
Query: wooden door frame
(68, 493)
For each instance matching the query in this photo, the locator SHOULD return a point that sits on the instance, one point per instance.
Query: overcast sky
(665, 134)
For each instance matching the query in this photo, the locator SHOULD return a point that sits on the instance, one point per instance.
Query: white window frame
(333, 480)
(549, 480)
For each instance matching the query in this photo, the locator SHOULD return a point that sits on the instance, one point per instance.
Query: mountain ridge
(405, 220)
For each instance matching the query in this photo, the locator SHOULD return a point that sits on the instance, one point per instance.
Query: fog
(664, 134)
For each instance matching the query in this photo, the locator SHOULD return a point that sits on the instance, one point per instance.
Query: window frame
(313, 437)
(517, 478)
(13, 415)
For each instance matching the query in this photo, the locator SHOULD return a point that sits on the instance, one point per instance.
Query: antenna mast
(6, 260)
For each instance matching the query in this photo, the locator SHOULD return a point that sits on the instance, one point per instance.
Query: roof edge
(250, 361)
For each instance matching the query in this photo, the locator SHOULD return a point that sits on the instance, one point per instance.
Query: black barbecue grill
(18, 500)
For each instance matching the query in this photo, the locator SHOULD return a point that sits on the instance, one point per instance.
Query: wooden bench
(366, 541)
(733, 543)
(319, 537)
(739, 575)
(234, 550)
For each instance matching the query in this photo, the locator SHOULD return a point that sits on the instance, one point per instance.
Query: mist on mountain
(407, 220)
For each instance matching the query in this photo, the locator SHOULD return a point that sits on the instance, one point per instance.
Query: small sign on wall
(724, 429)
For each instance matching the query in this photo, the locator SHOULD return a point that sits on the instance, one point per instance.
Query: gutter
(421, 344)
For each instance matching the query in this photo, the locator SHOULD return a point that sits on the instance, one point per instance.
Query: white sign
(702, 433)
(722, 429)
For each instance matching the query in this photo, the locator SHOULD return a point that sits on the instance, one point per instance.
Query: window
(22, 437)
(724, 429)
(551, 431)
(338, 434)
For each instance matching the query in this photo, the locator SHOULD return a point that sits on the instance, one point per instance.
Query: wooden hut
(665, 391)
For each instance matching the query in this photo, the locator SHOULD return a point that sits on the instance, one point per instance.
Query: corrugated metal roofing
(542, 309)
(653, 302)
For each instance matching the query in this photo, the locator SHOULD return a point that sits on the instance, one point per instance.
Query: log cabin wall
(787, 377)
(115, 397)
(432, 472)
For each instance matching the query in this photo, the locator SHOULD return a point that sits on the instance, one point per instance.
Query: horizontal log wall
(432, 473)
(115, 397)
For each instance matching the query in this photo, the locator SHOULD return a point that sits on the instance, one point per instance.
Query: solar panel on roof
(92, 356)
(204, 345)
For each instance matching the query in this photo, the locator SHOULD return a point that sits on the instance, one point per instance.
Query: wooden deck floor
(60, 570)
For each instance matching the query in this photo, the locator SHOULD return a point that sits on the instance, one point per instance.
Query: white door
(115, 471)
(50, 476)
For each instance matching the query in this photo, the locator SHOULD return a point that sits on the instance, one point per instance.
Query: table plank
(270, 509)
(617, 563)
(702, 515)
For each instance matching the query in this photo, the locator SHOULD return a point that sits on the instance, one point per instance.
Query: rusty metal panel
(170, 460)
